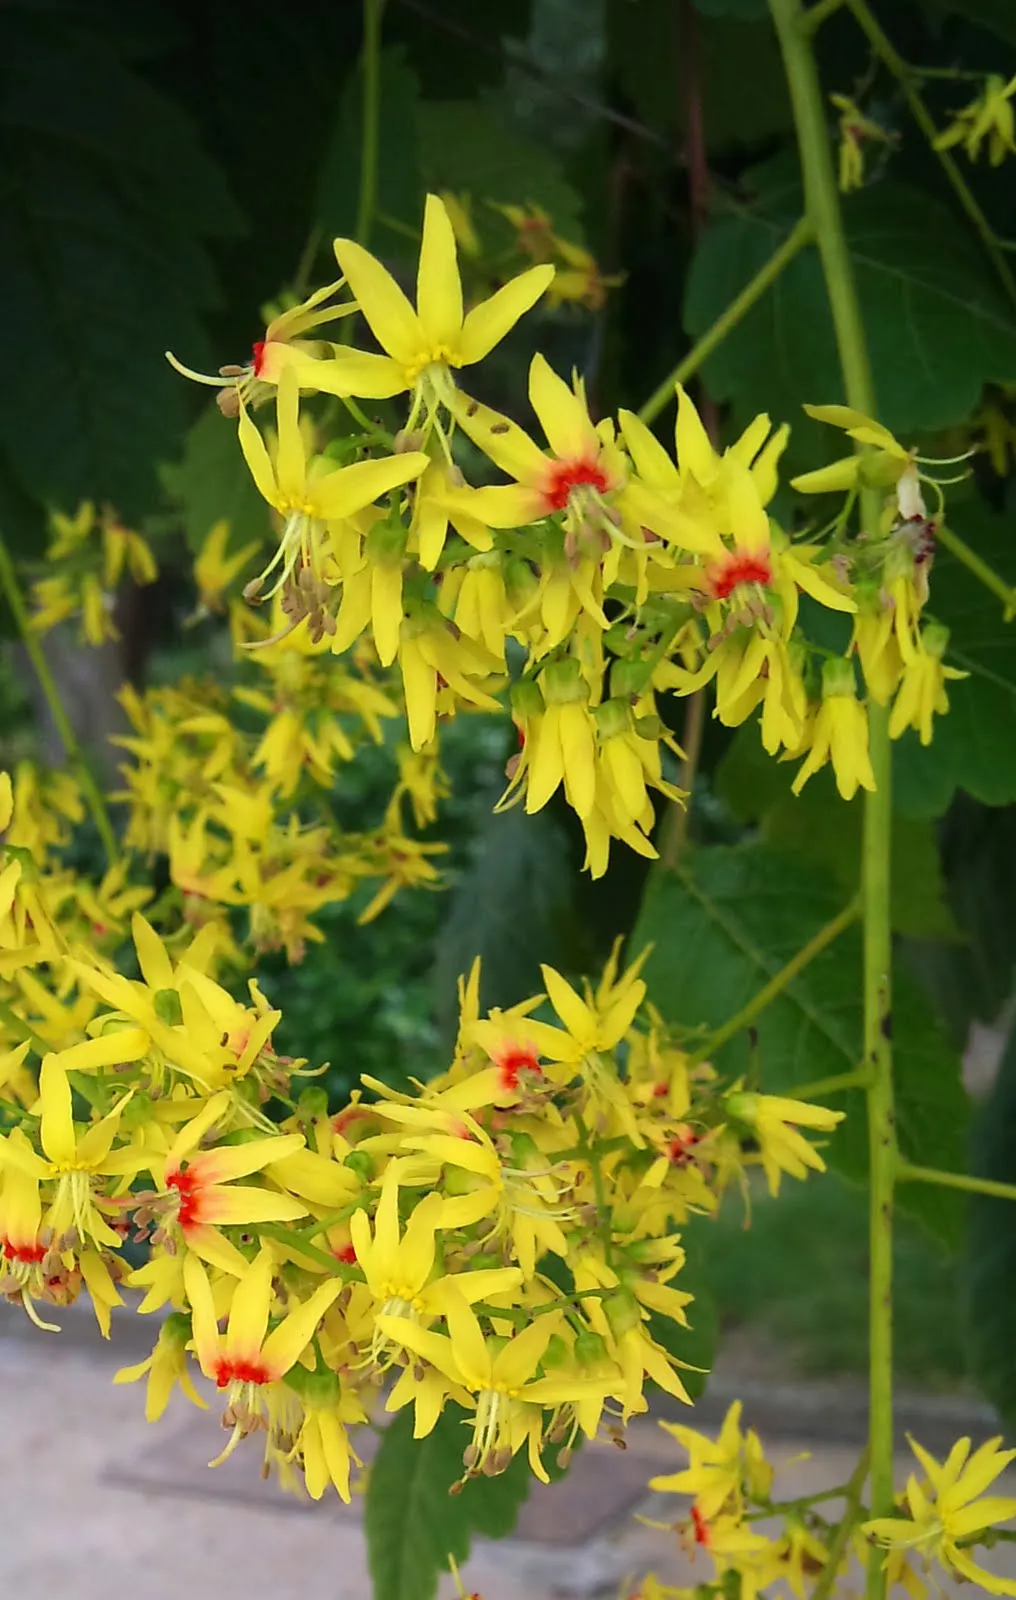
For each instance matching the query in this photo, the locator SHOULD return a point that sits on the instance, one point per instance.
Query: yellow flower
(948, 1510)
(922, 691)
(246, 1361)
(839, 733)
(855, 128)
(214, 570)
(165, 1368)
(989, 116)
(881, 465)
(774, 1122)
(306, 494)
(421, 345)
(723, 1473)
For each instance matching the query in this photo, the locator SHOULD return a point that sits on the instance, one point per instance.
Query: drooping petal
(290, 465)
(438, 285)
(56, 1133)
(486, 325)
(392, 319)
(257, 458)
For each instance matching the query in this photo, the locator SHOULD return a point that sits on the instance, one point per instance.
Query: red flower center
(23, 1252)
(241, 1371)
(564, 476)
(679, 1149)
(740, 567)
(347, 1255)
(701, 1527)
(259, 356)
(189, 1207)
(515, 1059)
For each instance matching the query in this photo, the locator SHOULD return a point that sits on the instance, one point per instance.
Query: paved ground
(96, 1502)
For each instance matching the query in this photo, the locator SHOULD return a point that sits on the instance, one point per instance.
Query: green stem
(856, 1078)
(841, 1538)
(905, 1173)
(800, 235)
(894, 62)
(823, 208)
(678, 815)
(987, 575)
(776, 985)
(47, 683)
(591, 1154)
(371, 60)
(818, 13)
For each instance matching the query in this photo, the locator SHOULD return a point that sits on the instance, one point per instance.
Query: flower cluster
(754, 1540)
(597, 579)
(91, 553)
(504, 1237)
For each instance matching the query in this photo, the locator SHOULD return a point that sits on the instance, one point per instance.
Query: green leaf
(974, 746)
(104, 203)
(466, 147)
(937, 325)
(212, 484)
(997, 16)
(825, 831)
(413, 1523)
(727, 923)
(992, 1245)
(399, 185)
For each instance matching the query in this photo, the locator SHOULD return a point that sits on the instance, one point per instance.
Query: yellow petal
(354, 372)
(56, 1132)
(563, 417)
(286, 1343)
(289, 461)
(110, 1049)
(507, 445)
(349, 489)
(248, 1314)
(156, 967)
(204, 1323)
(438, 286)
(257, 457)
(242, 1204)
(392, 319)
(648, 455)
(573, 1011)
(486, 325)
(522, 1355)
(695, 454)
(6, 801)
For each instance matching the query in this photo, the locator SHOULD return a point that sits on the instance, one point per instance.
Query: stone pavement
(97, 1502)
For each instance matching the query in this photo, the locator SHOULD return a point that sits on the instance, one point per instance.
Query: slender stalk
(675, 826)
(894, 62)
(800, 235)
(819, 12)
(371, 60)
(905, 1173)
(47, 683)
(856, 1078)
(972, 561)
(776, 985)
(841, 1538)
(823, 209)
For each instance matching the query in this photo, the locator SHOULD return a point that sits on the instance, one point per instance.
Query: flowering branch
(800, 235)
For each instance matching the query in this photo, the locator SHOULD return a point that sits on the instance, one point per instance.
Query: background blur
(170, 172)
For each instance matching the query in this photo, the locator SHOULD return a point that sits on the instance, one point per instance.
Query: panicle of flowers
(86, 560)
(499, 1237)
(597, 579)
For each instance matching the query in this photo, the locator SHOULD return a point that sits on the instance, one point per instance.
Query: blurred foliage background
(171, 171)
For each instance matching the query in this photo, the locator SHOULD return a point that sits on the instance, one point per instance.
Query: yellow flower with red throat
(247, 1362)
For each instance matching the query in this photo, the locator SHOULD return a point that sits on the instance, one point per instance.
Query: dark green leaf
(399, 186)
(823, 830)
(993, 1245)
(937, 325)
(725, 925)
(105, 199)
(412, 1522)
(212, 484)
(466, 147)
